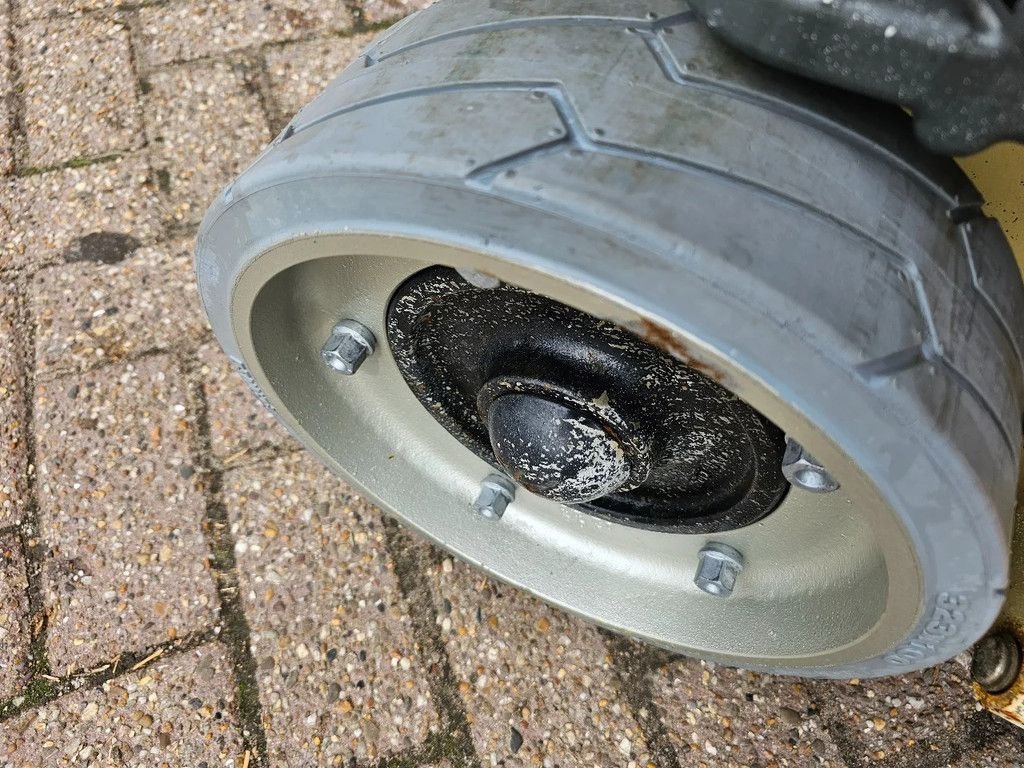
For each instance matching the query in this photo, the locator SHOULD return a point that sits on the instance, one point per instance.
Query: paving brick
(299, 71)
(522, 665)
(379, 11)
(14, 633)
(49, 213)
(126, 564)
(176, 711)
(902, 717)
(78, 88)
(13, 416)
(340, 673)
(241, 429)
(187, 30)
(723, 716)
(206, 125)
(92, 312)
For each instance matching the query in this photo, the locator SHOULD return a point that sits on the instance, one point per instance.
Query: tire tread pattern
(994, 283)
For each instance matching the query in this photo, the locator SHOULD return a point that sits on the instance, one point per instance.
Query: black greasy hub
(582, 411)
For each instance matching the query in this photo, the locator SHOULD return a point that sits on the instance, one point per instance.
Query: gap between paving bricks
(132, 27)
(235, 634)
(15, 100)
(29, 531)
(359, 23)
(45, 688)
(272, 113)
(982, 728)
(968, 738)
(255, 50)
(179, 352)
(358, 13)
(77, 162)
(42, 686)
(76, 13)
(850, 749)
(250, 58)
(256, 80)
(454, 740)
(633, 664)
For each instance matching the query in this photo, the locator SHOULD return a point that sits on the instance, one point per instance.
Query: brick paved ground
(179, 585)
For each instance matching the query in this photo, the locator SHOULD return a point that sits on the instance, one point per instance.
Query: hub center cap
(558, 444)
(581, 411)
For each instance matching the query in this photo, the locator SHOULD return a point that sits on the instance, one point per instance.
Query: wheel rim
(830, 579)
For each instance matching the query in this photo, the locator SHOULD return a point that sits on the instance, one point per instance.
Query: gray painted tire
(801, 235)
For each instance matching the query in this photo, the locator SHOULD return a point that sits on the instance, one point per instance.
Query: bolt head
(349, 344)
(996, 662)
(478, 279)
(804, 471)
(496, 493)
(717, 568)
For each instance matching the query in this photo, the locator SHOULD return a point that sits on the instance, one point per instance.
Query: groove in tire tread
(650, 30)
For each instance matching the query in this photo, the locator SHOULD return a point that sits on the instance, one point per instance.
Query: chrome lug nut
(496, 493)
(717, 569)
(349, 344)
(804, 471)
(478, 279)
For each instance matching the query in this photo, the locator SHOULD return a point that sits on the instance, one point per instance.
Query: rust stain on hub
(668, 341)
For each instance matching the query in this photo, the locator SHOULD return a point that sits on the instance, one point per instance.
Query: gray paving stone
(205, 125)
(14, 631)
(522, 665)
(339, 670)
(13, 416)
(379, 11)
(299, 71)
(904, 717)
(90, 312)
(722, 716)
(187, 30)
(126, 563)
(49, 212)
(176, 711)
(78, 88)
(241, 429)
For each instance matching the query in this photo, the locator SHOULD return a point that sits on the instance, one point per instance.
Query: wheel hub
(581, 411)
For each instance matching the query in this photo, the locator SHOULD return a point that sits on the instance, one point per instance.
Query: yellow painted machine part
(999, 173)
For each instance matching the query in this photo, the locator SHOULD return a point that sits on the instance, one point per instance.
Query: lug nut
(717, 569)
(996, 662)
(496, 493)
(350, 343)
(478, 279)
(804, 471)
